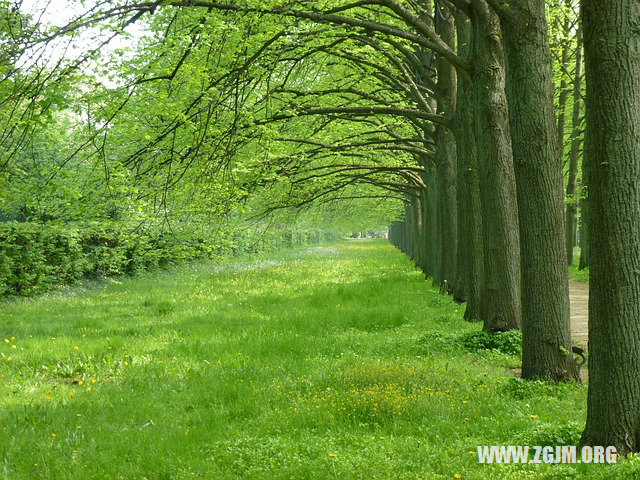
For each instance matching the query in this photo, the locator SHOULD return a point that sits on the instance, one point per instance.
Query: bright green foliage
(506, 342)
(336, 361)
(34, 257)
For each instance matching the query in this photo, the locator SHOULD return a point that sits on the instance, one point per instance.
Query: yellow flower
(126, 364)
(53, 435)
(71, 394)
(6, 340)
(76, 347)
(93, 380)
(88, 389)
(13, 338)
(381, 438)
(174, 357)
(534, 416)
(333, 455)
(80, 382)
(457, 475)
(78, 414)
(47, 398)
(9, 359)
(78, 426)
(14, 347)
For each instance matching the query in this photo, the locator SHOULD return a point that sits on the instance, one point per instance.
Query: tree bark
(572, 183)
(584, 215)
(501, 307)
(446, 157)
(546, 333)
(416, 231)
(470, 252)
(434, 245)
(612, 154)
(564, 90)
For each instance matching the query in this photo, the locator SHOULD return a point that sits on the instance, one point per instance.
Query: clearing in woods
(335, 361)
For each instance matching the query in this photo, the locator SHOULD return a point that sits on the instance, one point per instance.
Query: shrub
(33, 257)
(509, 342)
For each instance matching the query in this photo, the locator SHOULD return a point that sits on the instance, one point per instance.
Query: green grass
(330, 362)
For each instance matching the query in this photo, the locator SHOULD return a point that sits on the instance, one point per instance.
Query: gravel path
(579, 297)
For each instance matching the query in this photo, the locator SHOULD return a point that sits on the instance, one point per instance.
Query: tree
(546, 337)
(612, 156)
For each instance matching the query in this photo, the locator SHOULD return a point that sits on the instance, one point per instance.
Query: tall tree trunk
(417, 229)
(584, 215)
(427, 267)
(446, 156)
(434, 245)
(409, 225)
(470, 252)
(501, 307)
(546, 332)
(564, 90)
(572, 184)
(612, 154)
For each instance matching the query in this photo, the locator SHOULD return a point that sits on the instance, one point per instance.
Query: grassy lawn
(330, 362)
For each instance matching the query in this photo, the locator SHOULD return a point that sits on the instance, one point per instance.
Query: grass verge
(335, 361)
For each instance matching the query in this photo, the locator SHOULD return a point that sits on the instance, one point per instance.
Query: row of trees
(443, 107)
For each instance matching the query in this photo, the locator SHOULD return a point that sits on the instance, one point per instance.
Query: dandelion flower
(47, 398)
(6, 340)
(534, 416)
(76, 347)
(80, 382)
(13, 338)
(88, 389)
(333, 455)
(71, 394)
(9, 359)
(126, 364)
(14, 347)
(457, 475)
(93, 380)
(53, 435)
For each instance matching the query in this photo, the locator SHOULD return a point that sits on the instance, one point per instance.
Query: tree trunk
(470, 261)
(564, 91)
(418, 244)
(501, 308)
(572, 184)
(612, 153)
(434, 246)
(546, 332)
(584, 215)
(446, 157)
(427, 267)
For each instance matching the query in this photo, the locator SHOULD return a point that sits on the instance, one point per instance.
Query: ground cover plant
(331, 361)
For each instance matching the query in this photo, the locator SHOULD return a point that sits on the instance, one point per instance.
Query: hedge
(34, 257)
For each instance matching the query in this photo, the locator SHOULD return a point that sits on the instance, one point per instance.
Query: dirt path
(579, 297)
